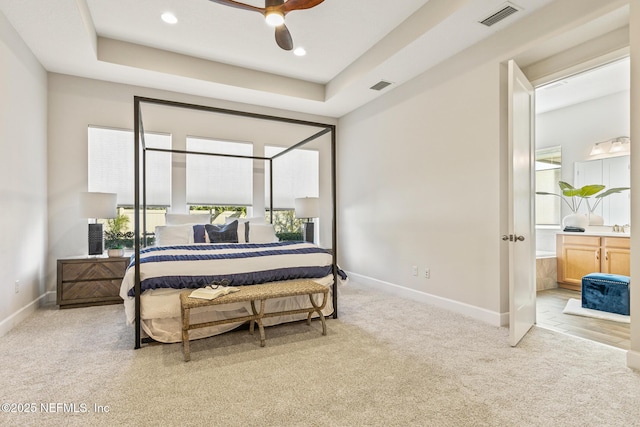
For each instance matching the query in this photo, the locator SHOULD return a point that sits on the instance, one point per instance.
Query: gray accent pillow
(227, 233)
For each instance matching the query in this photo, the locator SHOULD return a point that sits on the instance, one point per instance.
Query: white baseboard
(633, 359)
(49, 297)
(12, 321)
(487, 316)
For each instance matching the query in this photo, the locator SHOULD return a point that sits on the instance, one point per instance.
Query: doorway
(579, 120)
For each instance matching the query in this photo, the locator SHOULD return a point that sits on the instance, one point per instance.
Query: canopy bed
(241, 252)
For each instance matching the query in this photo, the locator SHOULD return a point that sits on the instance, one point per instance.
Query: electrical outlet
(427, 273)
(17, 286)
(414, 270)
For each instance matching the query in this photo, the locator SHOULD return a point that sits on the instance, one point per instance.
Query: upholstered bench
(606, 292)
(254, 293)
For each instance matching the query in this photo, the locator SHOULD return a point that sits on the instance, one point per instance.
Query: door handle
(512, 238)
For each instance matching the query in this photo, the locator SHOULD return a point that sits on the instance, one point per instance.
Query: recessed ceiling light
(169, 18)
(300, 51)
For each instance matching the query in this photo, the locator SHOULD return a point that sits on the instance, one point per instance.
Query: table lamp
(97, 206)
(307, 208)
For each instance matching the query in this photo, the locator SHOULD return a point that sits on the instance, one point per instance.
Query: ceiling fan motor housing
(271, 3)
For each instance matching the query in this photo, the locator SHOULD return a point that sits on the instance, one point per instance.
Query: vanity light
(617, 145)
(169, 18)
(620, 144)
(599, 148)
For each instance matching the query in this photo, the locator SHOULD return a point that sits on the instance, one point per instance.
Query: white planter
(113, 253)
(575, 220)
(595, 219)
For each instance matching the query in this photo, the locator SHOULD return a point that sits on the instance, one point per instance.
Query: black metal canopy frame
(140, 181)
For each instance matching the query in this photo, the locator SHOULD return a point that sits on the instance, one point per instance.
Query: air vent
(380, 85)
(505, 11)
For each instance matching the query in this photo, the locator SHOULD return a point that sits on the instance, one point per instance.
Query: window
(111, 167)
(219, 180)
(548, 174)
(220, 214)
(295, 174)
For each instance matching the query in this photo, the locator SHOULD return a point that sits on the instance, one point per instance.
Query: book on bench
(209, 292)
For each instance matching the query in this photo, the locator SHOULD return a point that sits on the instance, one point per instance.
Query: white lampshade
(98, 205)
(306, 207)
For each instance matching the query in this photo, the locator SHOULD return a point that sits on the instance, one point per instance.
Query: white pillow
(262, 233)
(250, 219)
(241, 228)
(180, 219)
(167, 235)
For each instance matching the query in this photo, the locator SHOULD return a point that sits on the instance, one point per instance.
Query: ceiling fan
(274, 12)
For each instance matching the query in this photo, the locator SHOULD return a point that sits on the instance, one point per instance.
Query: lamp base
(307, 232)
(96, 244)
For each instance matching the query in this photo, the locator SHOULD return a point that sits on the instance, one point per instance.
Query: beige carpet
(385, 362)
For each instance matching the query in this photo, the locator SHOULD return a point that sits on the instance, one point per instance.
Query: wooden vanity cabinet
(579, 255)
(616, 258)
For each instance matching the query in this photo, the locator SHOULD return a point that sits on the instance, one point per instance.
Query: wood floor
(550, 304)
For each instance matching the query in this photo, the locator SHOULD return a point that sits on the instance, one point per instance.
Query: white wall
(23, 172)
(423, 171)
(75, 103)
(420, 172)
(576, 128)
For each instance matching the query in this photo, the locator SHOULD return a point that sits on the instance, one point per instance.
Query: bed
(166, 271)
(181, 260)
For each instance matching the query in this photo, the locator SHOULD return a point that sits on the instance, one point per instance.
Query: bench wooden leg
(185, 334)
(260, 325)
(318, 309)
(252, 322)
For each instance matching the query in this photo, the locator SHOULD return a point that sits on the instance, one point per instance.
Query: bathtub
(546, 270)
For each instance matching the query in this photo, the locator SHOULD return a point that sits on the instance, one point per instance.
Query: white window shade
(111, 165)
(219, 180)
(295, 175)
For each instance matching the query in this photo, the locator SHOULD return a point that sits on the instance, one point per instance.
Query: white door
(521, 241)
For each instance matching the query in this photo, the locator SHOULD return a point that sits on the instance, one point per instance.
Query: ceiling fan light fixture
(300, 51)
(274, 18)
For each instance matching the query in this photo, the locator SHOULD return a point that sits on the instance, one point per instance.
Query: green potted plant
(115, 235)
(573, 197)
(595, 219)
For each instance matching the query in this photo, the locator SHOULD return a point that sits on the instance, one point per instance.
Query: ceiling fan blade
(283, 37)
(299, 4)
(238, 5)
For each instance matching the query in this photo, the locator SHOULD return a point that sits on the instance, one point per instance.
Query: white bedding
(160, 307)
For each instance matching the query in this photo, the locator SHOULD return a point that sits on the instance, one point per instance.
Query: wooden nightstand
(84, 282)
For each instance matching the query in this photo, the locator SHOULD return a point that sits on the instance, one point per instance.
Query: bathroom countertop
(599, 232)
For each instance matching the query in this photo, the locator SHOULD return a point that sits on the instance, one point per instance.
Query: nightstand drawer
(93, 270)
(101, 289)
(90, 281)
